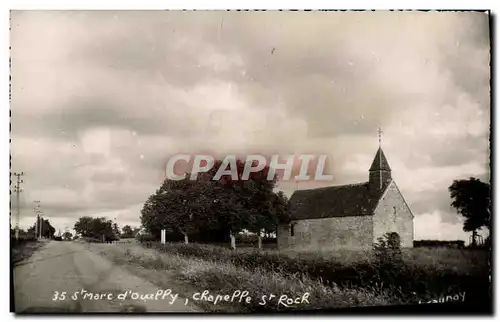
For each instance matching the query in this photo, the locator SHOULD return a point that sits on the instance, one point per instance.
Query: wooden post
(163, 236)
(259, 239)
(233, 240)
(186, 239)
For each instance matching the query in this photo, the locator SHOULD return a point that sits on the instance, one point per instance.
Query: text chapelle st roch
(170, 297)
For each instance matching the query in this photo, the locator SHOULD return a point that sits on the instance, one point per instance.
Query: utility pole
(38, 226)
(17, 190)
(37, 213)
(41, 225)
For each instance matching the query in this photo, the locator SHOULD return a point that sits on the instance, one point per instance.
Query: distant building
(349, 216)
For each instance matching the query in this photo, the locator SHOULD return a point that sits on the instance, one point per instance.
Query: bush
(252, 239)
(439, 243)
(91, 240)
(146, 239)
(22, 240)
(23, 248)
(387, 252)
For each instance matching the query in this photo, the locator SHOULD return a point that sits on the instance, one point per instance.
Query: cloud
(102, 99)
(428, 226)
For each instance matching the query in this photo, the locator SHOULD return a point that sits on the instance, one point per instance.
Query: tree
(224, 206)
(47, 230)
(84, 226)
(67, 236)
(99, 228)
(253, 205)
(32, 231)
(472, 199)
(179, 207)
(127, 232)
(274, 211)
(116, 229)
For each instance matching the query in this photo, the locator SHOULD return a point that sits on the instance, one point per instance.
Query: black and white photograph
(250, 161)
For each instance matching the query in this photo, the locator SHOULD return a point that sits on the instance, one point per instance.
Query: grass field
(23, 249)
(332, 279)
(192, 275)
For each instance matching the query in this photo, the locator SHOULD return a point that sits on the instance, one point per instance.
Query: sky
(102, 99)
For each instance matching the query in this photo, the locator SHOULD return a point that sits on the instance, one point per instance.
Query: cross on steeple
(379, 136)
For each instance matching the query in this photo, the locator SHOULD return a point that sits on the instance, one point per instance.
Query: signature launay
(459, 297)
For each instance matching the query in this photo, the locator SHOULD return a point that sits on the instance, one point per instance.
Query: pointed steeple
(380, 162)
(380, 172)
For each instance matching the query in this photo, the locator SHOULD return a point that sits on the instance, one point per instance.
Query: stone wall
(384, 220)
(354, 232)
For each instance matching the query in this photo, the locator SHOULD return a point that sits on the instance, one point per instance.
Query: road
(69, 267)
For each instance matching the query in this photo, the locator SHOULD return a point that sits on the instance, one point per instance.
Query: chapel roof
(336, 201)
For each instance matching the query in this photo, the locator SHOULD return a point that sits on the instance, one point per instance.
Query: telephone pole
(37, 212)
(17, 190)
(40, 226)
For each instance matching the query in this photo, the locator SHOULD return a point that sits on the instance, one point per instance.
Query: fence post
(233, 240)
(163, 236)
